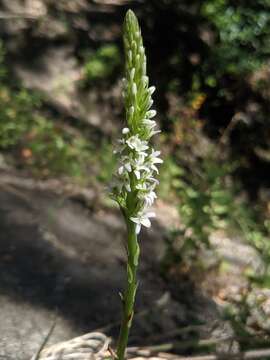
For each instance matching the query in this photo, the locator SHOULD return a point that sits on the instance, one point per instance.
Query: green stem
(130, 292)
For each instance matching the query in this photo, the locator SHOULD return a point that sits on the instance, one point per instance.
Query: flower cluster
(135, 186)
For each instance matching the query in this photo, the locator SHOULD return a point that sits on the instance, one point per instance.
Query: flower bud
(134, 89)
(125, 131)
(151, 90)
(151, 113)
(132, 74)
(131, 111)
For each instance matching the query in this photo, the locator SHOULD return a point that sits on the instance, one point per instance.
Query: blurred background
(205, 276)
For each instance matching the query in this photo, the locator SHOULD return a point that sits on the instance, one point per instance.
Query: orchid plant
(135, 182)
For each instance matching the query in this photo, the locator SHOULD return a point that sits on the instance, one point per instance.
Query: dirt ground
(60, 260)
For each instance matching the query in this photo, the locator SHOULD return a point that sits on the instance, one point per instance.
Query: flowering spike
(138, 161)
(135, 187)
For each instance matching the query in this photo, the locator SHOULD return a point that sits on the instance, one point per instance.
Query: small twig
(189, 343)
(45, 341)
(112, 2)
(247, 355)
(9, 16)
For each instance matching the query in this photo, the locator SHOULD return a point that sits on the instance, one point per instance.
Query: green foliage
(205, 201)
(208, 201)
(42, 144)
(243, 34)
(256, 230)
(48, 147)
(16, 114)
(209, 197)
(17, 109)
(170, 179)
(102, 63)
(56, 151)
(105, 162)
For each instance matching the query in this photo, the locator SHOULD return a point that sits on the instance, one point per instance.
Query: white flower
(142, 219)
(150, 124)
(149, 198)
(140, 165)
(125, 165)
(152, 180)
(136, 144)
(154, 159)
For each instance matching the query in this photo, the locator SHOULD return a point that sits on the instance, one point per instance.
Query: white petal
(128, 167)
(157, 161)
(137, 174)
(150, 214)
(138, 228)
(153, 180)
(154, 132)
(135, 220)
(150, 123)
(142, 155)
(128, 188)
(144, 147)
(146, 222)
(121, 170)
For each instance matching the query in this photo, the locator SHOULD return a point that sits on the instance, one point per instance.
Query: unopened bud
(134, 89)
(144, 66)
(150, 103)
(151, 90)
(134, 46)
(131, 111)
(151, 113)
(132, 74)
(145, 80)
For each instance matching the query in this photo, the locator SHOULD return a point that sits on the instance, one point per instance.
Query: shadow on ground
(58, 258)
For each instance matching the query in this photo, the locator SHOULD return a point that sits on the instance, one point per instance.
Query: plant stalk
(128, 298)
